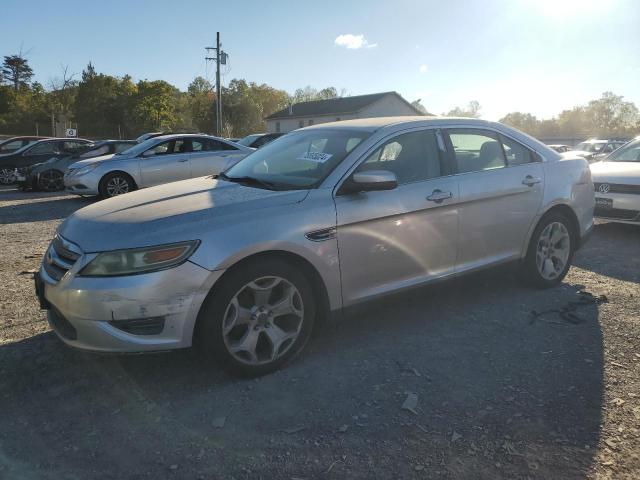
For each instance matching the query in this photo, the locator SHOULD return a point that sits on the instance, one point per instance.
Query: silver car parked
(321, 219)
(158, 160)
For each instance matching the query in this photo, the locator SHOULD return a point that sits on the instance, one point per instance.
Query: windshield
(298, 160)
(248, 140)
(591, 147)
(139, 147)
(629, 153)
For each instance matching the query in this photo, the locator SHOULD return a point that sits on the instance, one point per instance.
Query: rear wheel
(116, 183)
(51, 180)
(550, 251)
(7, 175)
(258, 319)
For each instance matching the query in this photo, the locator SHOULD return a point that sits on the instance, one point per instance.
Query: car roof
(373, 124)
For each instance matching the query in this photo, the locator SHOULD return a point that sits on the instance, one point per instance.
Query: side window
(72, 147)
(608, 148)
(198, 145)
(12, 146)
(121, 147)
(163, 148)
(413, 157)
(516, 154)
(43, 148)
(216, 145)
(476, 150)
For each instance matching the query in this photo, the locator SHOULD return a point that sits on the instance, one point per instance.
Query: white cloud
(353, 42)
(423, 68)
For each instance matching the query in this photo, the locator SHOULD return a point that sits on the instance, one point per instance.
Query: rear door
(209, 156)
(501, 188)
(166, 162)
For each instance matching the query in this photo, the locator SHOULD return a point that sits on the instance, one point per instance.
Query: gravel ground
(500, 392)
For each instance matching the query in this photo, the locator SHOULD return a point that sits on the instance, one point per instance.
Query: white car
(616, 180)
(158, 160)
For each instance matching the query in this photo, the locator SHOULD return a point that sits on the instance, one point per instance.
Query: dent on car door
(166, 162)
(501, 189)
(402, 237)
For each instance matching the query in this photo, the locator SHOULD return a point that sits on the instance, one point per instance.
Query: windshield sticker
(318, 157)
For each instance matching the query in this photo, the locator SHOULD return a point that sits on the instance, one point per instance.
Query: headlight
(139, 260)
(85, 170)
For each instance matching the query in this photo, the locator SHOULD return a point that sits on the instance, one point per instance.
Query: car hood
(89, 161)
(168, 213)
(616, 172)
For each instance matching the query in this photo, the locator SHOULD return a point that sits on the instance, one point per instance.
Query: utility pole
(220, 58)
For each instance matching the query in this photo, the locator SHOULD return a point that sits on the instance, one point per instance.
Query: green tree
(610, 115)
(155, 105)
(16, 71)
(522, 121)
(472, 110)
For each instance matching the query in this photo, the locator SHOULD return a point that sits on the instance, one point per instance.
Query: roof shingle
(334, 106)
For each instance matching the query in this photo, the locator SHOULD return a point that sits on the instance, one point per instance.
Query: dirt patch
(494, 390)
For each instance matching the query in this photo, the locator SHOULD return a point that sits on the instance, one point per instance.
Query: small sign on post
(71, 132)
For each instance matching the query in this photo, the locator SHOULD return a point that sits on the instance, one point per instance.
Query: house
(303, 114)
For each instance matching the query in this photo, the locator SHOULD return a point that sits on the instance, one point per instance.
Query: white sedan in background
(158, 160)
(616, 180)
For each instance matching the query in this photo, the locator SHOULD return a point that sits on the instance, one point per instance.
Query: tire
(7, 175)
(550, 251)
(51, 180)
(116, 183)
(236, 315)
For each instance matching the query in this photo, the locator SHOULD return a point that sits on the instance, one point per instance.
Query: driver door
(165, 162)
(389, 240)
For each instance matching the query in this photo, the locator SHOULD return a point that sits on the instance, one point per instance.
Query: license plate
(39, 284)
(604, 203)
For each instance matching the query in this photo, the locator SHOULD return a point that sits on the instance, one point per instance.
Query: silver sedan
(320, 220)
(161, 159)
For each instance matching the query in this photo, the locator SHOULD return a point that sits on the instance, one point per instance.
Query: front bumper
(622, 207)
(130, 314)
(83, 185)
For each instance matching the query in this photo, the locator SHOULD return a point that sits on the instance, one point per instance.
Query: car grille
(618, 188)
(60, 257)
(616, 213)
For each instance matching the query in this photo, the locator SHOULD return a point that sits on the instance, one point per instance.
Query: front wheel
(51, 181)
(550, 251)
(259, 318)
(7, 176)
(116, 183)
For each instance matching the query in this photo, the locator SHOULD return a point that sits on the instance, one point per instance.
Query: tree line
(104, 106)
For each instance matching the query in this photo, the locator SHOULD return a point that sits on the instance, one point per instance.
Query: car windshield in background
(591, 147)
(298, 160)
(248, 140)
(628, 153)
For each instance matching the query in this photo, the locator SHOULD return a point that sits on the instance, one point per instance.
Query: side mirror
(370, 181)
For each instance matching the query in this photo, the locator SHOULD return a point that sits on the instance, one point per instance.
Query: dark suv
(37, 153)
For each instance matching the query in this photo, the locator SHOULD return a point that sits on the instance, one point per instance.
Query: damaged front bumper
(129, 314)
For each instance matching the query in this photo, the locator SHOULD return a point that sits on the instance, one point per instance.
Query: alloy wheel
(263, 320)
(553, 250)
(51, 180)
(117, 186)
(7, 176)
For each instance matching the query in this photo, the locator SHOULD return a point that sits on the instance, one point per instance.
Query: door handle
(530, 181)
(183, 160)
(438, 196)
